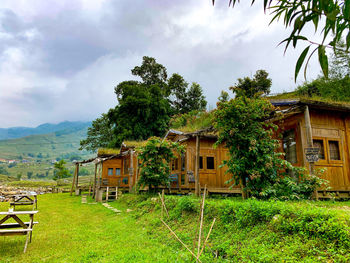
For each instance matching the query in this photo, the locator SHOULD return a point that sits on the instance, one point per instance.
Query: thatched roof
(177, 135)
(102, 152)
(312, 103)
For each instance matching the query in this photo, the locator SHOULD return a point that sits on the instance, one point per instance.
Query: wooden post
(77, 176)
(309, 141)
(116, 193)
(73, 181)
(107, 190)
(131, 170)
(197, 165)
(95, 177)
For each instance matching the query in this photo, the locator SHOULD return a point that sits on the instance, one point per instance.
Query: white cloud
(59, 60)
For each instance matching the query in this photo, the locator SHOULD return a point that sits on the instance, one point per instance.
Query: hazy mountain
(62, 143)
(18, 132)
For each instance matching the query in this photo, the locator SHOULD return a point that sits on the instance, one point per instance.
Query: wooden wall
(126, 178)
(327, 127)
(210, 173)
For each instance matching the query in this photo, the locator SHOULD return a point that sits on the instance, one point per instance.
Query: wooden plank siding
(328, 126)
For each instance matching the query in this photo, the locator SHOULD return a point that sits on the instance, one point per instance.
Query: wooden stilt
(309, 141)
(197, 165)
(73, 181)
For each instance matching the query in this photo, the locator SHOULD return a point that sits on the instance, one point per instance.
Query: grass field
(69, 231)
(245, 231)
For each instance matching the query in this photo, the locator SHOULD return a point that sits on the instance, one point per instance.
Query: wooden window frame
(325, 149)
(327, 160)
(108, 168)
(335, 162)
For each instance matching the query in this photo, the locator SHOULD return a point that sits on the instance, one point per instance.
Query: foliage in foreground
(155, 157)
(253, 230)
(330, 17)
(255, 161)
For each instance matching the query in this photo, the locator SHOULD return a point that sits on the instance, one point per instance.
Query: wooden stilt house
(312, 124)
(200, 164)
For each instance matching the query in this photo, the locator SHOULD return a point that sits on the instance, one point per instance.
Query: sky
(60, 60)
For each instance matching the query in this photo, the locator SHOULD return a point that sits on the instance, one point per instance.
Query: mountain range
(18, 132)
(47, 141)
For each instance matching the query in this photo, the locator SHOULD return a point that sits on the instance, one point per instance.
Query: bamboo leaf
(300, 62)
(323, 60)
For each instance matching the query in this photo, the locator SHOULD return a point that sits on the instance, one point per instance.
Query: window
(117, 171)
(319, 144)
(210, 163)
(110, 171)
(200, 162)
(334, 153)
(289, 146)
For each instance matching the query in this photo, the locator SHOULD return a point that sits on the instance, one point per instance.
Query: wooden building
(323, 125)
(200, 150)
(306, 124)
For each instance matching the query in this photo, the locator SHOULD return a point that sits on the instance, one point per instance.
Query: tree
(29, 175)
(19, 176)
(186, 99)
(339, 67)
(144, 107)
(99, 135)
(331, 17)
(155, 157)
(143, 111)
(195, 98)
(250, 88)
(60, 170)
(224, 97)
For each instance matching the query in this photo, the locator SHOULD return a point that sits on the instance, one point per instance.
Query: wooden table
(24, 199)
(19, 228)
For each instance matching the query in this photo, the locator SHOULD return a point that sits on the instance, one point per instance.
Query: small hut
(200, 164)
(313, 127)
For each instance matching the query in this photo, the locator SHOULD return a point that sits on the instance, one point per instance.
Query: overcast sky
(60, 60)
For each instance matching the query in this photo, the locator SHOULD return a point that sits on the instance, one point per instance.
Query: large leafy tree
(144, 107)
(331, 17)
(260, 84)
(143, 111)
(254, 159)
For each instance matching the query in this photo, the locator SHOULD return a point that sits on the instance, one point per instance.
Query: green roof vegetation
(191, 122)
(107, 151)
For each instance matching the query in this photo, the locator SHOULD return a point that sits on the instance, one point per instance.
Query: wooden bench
(24, 200)
(19, 228)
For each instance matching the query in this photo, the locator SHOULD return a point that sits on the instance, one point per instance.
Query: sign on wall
(311, 154)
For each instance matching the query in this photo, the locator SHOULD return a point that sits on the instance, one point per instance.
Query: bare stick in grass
(180, 240)
(206, 240)
(163, 203)
(201, 222)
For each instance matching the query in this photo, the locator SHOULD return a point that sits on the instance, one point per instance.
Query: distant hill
(18, 132)
(63, 142)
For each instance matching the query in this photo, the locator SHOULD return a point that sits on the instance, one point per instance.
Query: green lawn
(69, 231)
(245, 231)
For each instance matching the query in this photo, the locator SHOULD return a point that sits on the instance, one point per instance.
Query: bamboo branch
(205, 242)
(201, 222)
(180, 240)
(163, 203)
